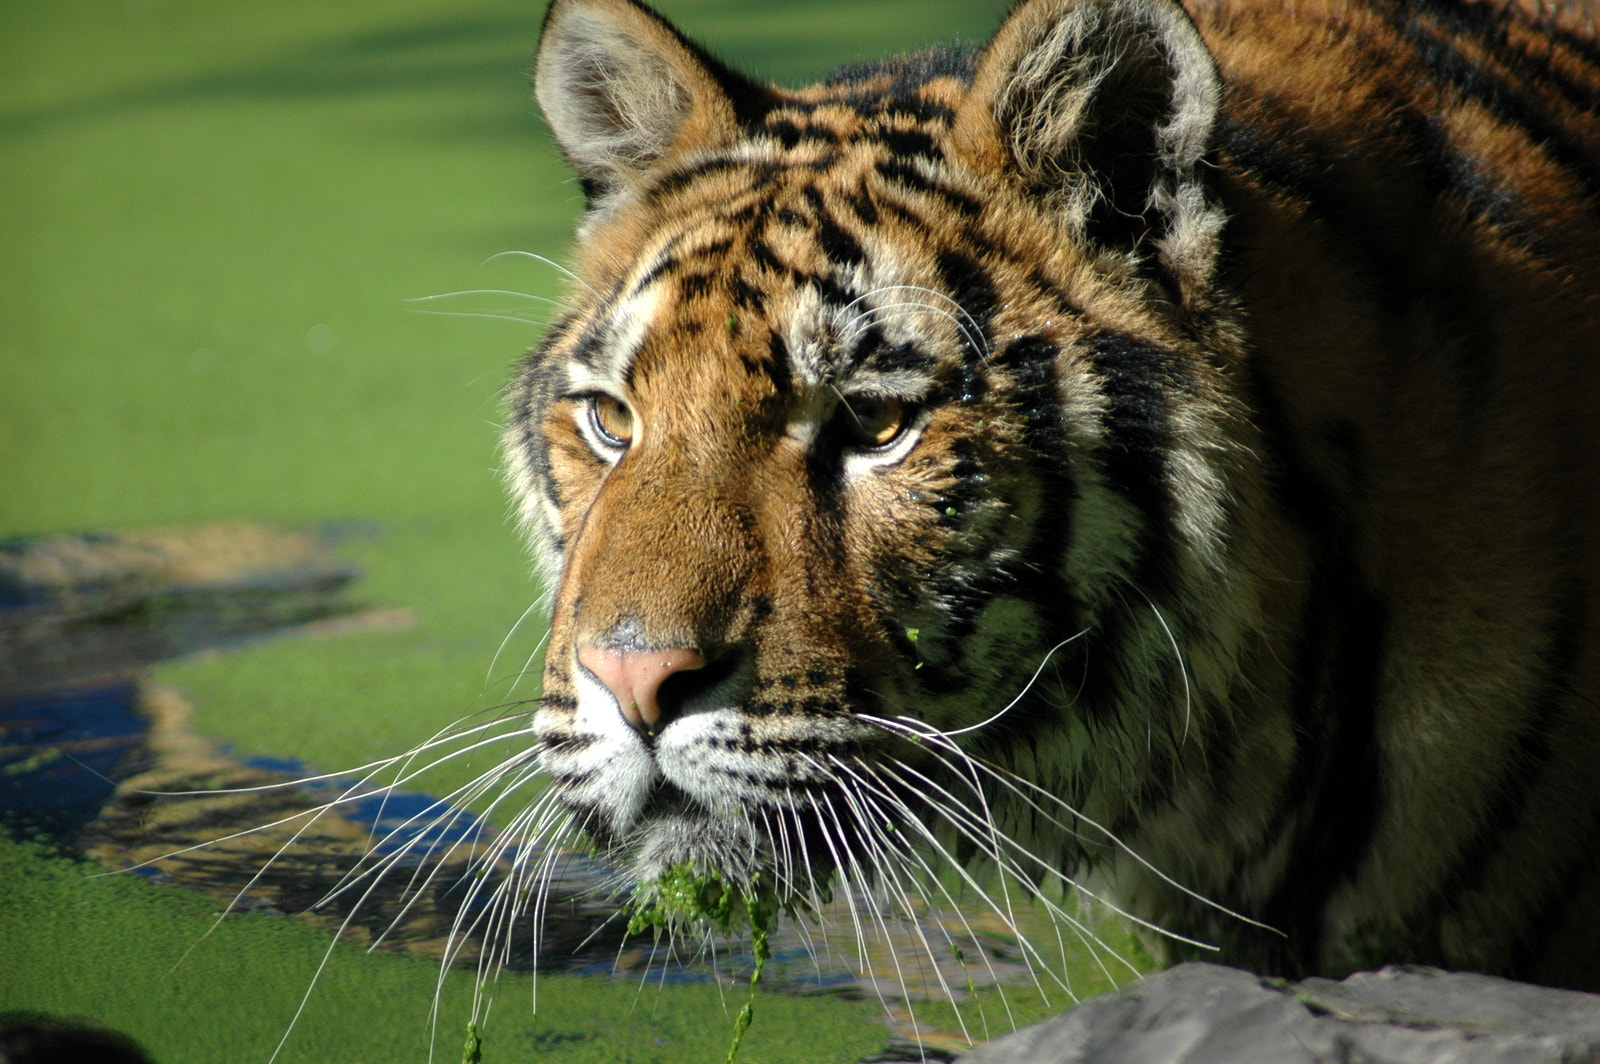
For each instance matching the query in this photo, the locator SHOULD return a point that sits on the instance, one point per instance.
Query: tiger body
(1184, 416)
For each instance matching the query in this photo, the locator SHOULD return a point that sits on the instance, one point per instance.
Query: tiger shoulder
(1159, 442)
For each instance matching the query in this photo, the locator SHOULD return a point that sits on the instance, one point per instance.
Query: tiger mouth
(675, 830)
(669, 801)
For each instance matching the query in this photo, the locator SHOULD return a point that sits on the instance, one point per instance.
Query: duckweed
(684, 896)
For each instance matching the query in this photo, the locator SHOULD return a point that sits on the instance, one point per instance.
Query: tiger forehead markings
(1155, 442)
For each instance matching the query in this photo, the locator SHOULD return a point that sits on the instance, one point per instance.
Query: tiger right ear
(622, 90)
(1104, 109)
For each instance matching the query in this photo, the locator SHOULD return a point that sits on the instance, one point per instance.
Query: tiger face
(908, 479)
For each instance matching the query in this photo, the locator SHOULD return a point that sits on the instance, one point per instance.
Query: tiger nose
(635, 676)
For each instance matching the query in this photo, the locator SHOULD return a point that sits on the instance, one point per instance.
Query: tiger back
(1157, 443)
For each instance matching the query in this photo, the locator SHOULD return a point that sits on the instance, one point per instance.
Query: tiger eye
(872, 421)
(612, 420)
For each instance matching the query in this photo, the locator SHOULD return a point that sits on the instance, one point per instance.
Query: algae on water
(683, 896)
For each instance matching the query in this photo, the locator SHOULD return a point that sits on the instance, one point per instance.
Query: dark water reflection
(59, 753)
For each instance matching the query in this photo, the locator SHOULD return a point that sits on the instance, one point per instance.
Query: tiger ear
(622, 89)
(1105, 108)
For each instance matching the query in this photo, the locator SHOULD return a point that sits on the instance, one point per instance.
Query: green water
(212, 218)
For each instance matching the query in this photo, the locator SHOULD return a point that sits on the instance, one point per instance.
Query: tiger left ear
(1105, 109)
(623, 90)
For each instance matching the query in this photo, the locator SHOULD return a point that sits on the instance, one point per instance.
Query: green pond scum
(686, 899)
(154, 963)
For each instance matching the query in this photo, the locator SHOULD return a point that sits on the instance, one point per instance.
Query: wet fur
(1253, 365)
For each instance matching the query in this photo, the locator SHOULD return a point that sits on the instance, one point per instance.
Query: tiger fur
(1232, 369)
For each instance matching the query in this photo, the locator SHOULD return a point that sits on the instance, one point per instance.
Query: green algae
(684, 897)
(155, 963)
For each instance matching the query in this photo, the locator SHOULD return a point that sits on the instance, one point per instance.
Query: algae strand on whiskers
(684, 896)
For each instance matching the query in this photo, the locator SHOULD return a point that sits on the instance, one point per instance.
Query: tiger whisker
(553, 264)
(528, 831)
(1004, 907)
(450, 809)
(527, 666)
(541, 809)
(1016, 784)
(486, 292)
(536, 604)
(981, 831)
(889, 861)
(908, 817)
(852, 872)
(312, 816)
(987, 842)
(969, 327)
(371, 768)
(842, 869)
(883, 309)
(488, 315)
(1009, 706)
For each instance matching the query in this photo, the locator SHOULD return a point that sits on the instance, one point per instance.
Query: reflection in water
(58, 751)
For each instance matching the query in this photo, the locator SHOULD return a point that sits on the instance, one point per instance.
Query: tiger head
(879, 438)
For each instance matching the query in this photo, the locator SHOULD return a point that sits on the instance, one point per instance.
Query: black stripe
(779, 368)
(916, 221)
(870, 340)
(831, 291)
(1487, 196)
(1472, 80)
(1138, 379)
(906, 356)
(1529, 752)
(586, 351)
(663, 264)
(1040, 281)
(903, 142)
(1490, 28)
(746, 296)
(903, 172)
(862, 207)
(839, 246)
(1278, 152)
(1336, 782)
(759, 175)
(790, 134)
(683, 177)
(1031, 362)
(764, 258)
(906, 74)
(694, 285)
(1334, 793)
(1422, 276)
(971, 287)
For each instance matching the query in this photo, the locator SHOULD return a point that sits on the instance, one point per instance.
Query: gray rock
(1206, 1014)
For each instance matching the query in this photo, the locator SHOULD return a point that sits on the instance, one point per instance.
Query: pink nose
(635, 676)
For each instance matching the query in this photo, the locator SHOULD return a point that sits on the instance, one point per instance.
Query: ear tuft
(1105, 109)
(622, 90)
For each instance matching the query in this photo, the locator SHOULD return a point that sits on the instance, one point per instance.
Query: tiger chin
(1155, 443)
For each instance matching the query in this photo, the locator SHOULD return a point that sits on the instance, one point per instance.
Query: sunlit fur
(1241, 537)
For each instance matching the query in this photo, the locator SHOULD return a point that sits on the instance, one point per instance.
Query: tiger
(1151, 450)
